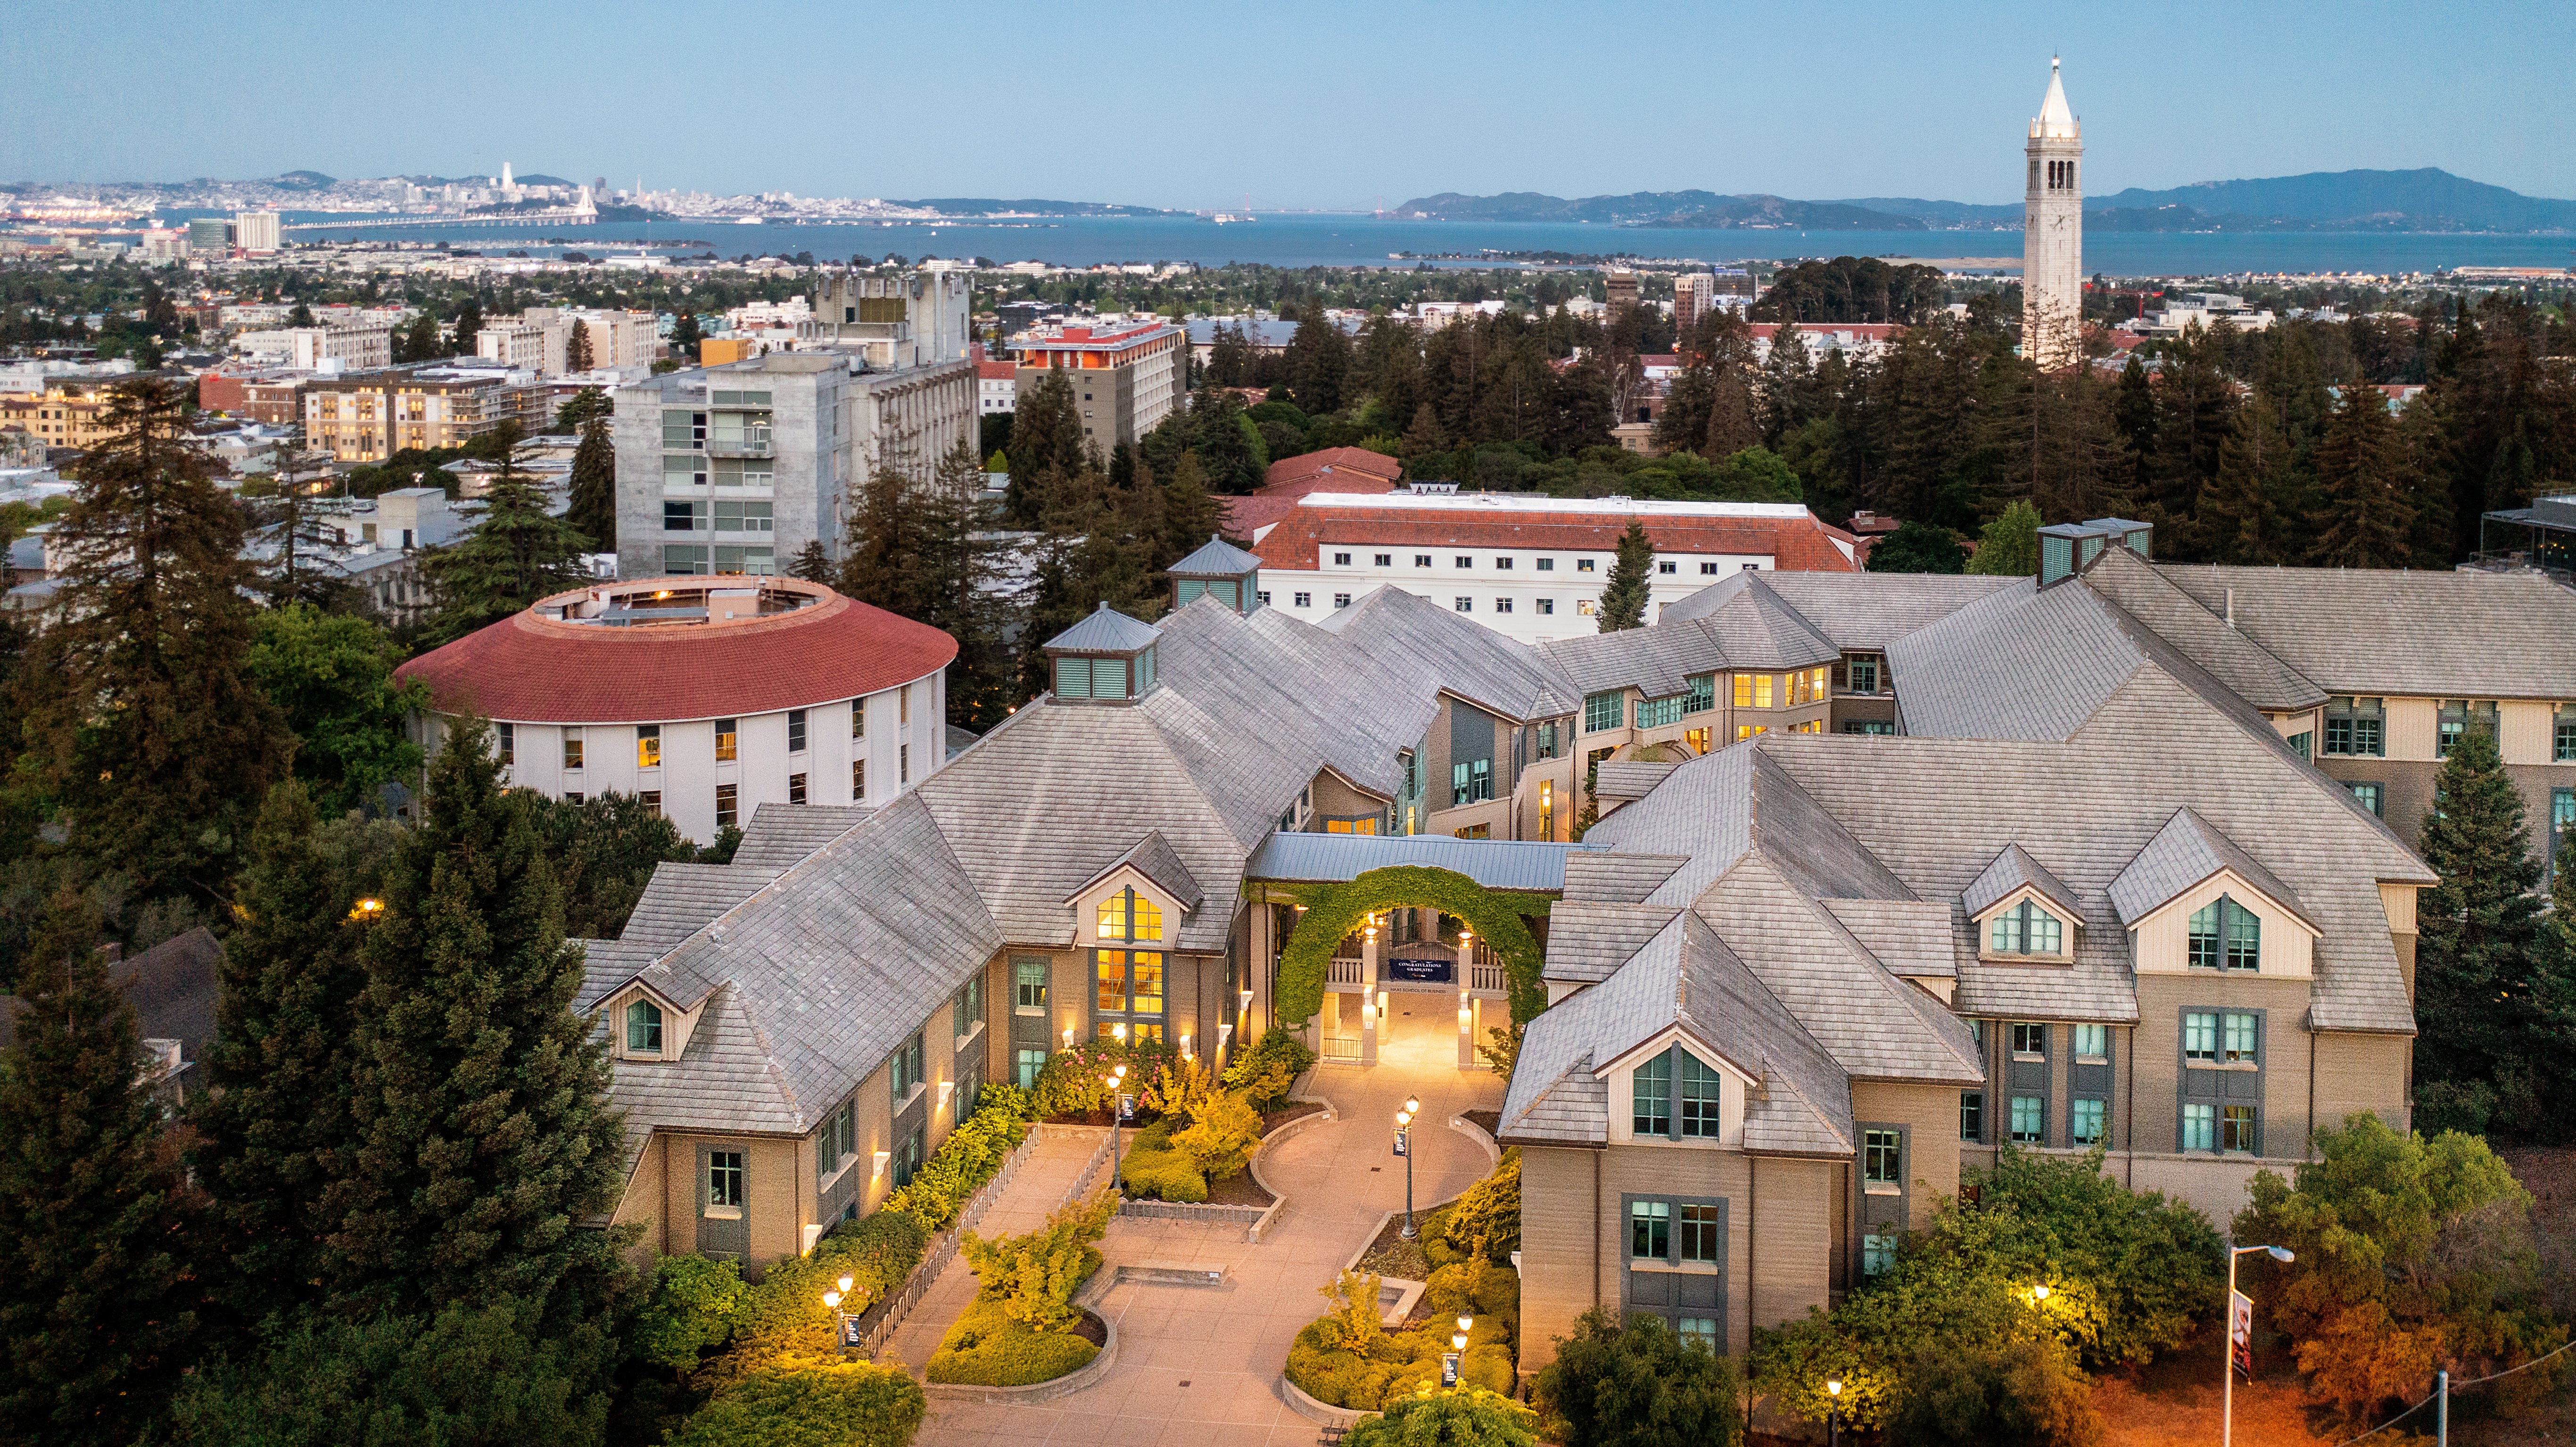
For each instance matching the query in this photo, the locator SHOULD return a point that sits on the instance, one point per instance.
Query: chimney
(2231, 607)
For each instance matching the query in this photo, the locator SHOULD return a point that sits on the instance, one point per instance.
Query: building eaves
(2011, 869)
(2188, 850)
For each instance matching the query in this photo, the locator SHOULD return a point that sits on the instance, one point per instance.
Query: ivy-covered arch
(1334, 910)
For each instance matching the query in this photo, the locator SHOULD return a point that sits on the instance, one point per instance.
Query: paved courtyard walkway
(1196, 1358)
(1050, 1171)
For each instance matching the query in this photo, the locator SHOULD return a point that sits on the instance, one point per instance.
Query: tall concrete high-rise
(2052, 242)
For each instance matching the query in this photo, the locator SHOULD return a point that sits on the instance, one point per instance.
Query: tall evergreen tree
(2368, 516)
(97, 1296)
(483, 1127)
(421, 342)
(577, 356)
(813, 564)
(1319, 358)
(468, 330)
(1731, 425)
(2195, 408)
(142, 726)
(686, 334)
(517, 553)
(1190, 516)
(1632, 573)
(298, 563)
(1046, 440)
(593, 506)
(274, 1127)
(2253, 509)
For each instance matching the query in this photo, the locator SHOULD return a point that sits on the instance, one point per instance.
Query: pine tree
(685, 336)
(299, 566)
(1731, 425)
(1319, 358)
(2482, 1018)
(1425, 436)
(142, 726)
(577, 347)
(2250, 511)
(1623, 601)
(302, 316)
(483, 1127)
(468, 337)
(97, 1301)
(813, 564)
(1046, 438)
(581, 407)
(516, 554)
(275, 1124)
(421, 343)
(1190, 516)
(593, 505)
(2367, 517)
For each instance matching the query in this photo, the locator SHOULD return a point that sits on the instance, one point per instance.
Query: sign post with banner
(2240, 1332)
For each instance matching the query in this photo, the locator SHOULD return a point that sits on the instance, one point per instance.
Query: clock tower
(2052, 242)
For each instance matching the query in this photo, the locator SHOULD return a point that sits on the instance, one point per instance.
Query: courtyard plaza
(1193, 1359)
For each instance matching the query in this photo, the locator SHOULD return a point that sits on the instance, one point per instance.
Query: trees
(483, 1131)
(582, 407)
(2025, 1394)
(1623, 601)
(1319, 355)
(97, 1303)
(2411, 1254)
(917, 546)
(421, 341)
(298, 545)
(2368, 517)
(1046, 438)
(812, 1401)
(143, 729)
(467, 329)
(517, 553)
(577, 356)
(1467, 1417)
(332, 677)
(593, 505)
(604, 850)
(275, 1121)
(813, 564)
(1917, 547)
(2492, 990)
(1637, 1386)
(685, 336)
(2009, 547)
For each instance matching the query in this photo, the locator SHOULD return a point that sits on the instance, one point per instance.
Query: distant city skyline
(1335, 105)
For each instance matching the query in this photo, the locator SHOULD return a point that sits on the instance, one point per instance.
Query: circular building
(707, 697)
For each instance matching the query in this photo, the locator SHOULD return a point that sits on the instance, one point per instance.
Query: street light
(2227, 1393)
(1453, 1366)
(1117, 1078)
(1404, 1148)
(1833, 1421)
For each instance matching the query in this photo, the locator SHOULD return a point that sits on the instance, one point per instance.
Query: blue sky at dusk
(1317, 104)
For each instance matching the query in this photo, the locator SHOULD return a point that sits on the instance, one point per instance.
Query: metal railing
(943, 1248)
(1341, 1047)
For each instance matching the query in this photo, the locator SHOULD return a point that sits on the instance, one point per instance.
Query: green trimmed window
(2226, 935)
(1654, 713)
(1653, 1093)
(1604, 711)
(2025, 929)
(1703, 693)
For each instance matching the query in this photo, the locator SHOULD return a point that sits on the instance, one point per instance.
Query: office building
(369, 416)
(896, 319)
(1127, 376)
(258, 233)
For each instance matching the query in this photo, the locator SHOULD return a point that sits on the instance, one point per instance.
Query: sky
(1341, 104)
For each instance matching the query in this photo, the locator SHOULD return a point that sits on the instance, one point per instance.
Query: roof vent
(1219, 570)
(1106, 658)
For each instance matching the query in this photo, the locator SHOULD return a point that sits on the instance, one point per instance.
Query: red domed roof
(530, 668)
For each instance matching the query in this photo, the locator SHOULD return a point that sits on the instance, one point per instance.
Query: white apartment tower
(2052, 243)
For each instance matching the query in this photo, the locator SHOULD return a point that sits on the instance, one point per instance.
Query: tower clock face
(2056, 223)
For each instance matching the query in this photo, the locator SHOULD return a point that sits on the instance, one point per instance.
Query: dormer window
(1119, 909)
(643, 1028)
(2226, 935)
(2025, 929)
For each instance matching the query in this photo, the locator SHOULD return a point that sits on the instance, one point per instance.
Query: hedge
(986, 1348)
(811, 1403)
(1332, 911)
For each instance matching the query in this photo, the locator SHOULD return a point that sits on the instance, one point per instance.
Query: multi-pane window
(2030, 1041)
(572, 748)
(1030, 1061)
(2199, 1126)
(2200, 1036)
(1546, 606)
(2029, 1119)
(1753, 690)
(2240, 1038)
(644, 1027)
(727, 741)
(904, 1069)
(966, 1010)
(2026, 929)
(858, 718)
(2356, 728)
(506, 738)
(1650, 1230)
(1111, 979)
(2225, 934)
(796, 788)
(1882, 1158)
(726, 814)
(1604, 711)
(1029, 986)
(837, 1141)
(1699, 1332)
(2236, 1129)
(796, 731)
(648, 746)
(1128, 983)
(652, 801)
(858, 781)
(2563, 739)
(1877, 1253)
(2085, 1122)
(2092, 1042)
(1864, 673)
(1703, 693)
(1697, 1092)
(1697, 1232)
(1657, 712)
(1471, 782)
(724, 1180)
(2370, 797)
(2299, 743)
(1653, 1092)
(1972, 1115)
(1462, 604)
(907, 1159)
(1545, 746)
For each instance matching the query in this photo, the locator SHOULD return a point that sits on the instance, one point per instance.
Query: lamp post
(840, 1319)
(1117, 1101)
(2227, 1394)
(1453, 1366)
(1833, 1419)
(1404, 1148)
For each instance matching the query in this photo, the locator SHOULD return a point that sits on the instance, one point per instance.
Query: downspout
(1752, 1245)
(2310, 1149)
(1596, 1230)
(2129, 1126)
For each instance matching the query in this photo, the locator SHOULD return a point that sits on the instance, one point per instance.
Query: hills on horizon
(2426, 199)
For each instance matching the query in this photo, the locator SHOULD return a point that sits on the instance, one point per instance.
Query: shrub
(1348, 1359)
(691, 1309)
(1469, 1417)
(1636, 1386)
(1222, 1132)
(784, 1315)
(1266, 1072)
(1155, 1170)
(1485, 1220)
(1074, 1080)
(811, 1402)
(989, 1348)
(2027, 1394)
(876, 1251)
(972, 1155)
(1033, 1277)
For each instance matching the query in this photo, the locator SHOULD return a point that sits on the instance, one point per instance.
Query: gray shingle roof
(2411, 634)
(1657, 661)
(1215, 558)
(1856, 611)
(1520, 865)
(781, 834)
(2245, 666)
(1910, 937)
(1758, 629)
(2186, 851)
(1618, 878)
(1587, 940)
(2012, 868)
(1153, 858)
(1465, 657)
(682, 899)
(1623, 779)
(1106, 631)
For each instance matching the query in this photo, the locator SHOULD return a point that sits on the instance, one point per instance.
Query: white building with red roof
(706, 697)
(1527, 566)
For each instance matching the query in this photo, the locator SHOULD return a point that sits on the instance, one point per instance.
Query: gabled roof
(1756, 628)
(1618, 878)
(2188, 850)
(1520, 866)
(781, 834)
(1215, 558)
(1153, 858)
(2419, 634)
(1587, 940)
(1456, 654)
(2247, 667)
(2013, 868)
(1618, 780)
(1857, 611)
(682, 899)
(1106, 631)
(1911, 937)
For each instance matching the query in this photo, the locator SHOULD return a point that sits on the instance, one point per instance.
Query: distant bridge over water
(557, 215)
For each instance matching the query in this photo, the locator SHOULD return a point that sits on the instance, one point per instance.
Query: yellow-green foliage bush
(1156, 1170)
(1486, 1220)
(1264, 1073)
(804, 1401)
(1345, 1358)
(972, 1155)
(987, 1348)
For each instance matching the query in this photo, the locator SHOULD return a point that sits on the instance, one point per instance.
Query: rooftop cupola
(2066, 549)
(1228, 573)
(1106, 658)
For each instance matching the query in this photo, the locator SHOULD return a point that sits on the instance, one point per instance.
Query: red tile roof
(996, 371)
(541, 670)
(1335, 469)
(1793, 545)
